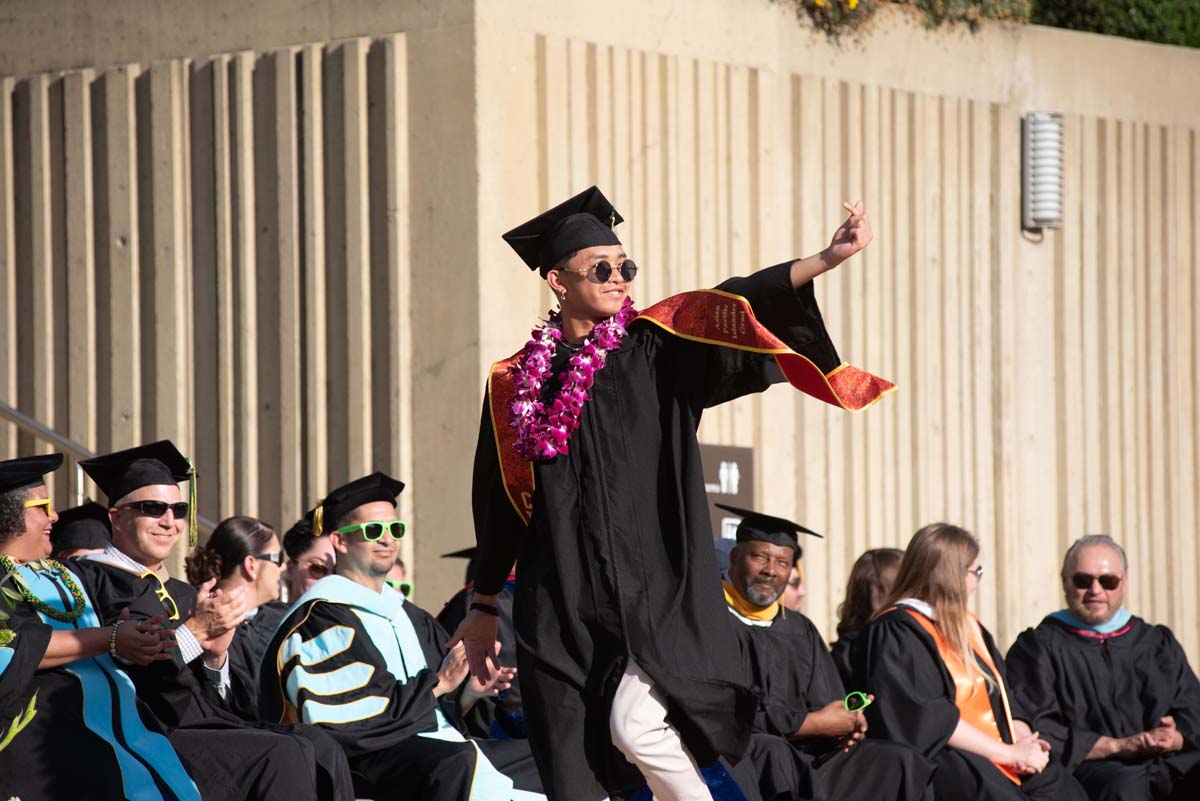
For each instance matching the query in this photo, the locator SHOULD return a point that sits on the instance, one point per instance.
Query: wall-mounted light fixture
(1041, 170)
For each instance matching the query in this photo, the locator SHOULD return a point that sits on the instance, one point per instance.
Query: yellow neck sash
(747, 609)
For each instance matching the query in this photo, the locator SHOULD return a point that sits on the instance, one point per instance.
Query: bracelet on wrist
(112, 639)
(487, 609)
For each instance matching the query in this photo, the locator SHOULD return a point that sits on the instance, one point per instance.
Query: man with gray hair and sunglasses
(1113, 694)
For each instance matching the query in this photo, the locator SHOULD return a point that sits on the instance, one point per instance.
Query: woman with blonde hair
(939, 682)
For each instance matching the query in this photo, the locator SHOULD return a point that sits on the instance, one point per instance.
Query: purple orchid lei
(543, 430)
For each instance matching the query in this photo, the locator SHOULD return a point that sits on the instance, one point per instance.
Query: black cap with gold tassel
(118, 474)
(348, 497)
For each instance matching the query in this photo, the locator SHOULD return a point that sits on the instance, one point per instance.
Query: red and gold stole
(705, 315)
(970, 693)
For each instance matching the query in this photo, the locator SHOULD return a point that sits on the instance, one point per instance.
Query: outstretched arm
(851, 236)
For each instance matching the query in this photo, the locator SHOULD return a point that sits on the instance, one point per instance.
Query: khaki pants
(640, 731)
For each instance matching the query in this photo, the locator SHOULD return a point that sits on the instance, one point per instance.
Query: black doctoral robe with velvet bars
(618, 560)
(897, 661)
(1080, 687)
(793, 676)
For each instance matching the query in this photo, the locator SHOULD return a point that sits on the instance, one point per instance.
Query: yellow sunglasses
(46, 503)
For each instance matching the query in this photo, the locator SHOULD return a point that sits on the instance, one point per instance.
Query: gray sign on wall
(728, 478)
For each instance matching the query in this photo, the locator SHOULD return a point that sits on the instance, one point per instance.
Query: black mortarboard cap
(118, 474)
(348, 497)
(465, 553)
(27, 470)
(756, 526)
(586, 220)
(84, 526)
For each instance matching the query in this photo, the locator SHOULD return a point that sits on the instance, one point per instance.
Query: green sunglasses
(405, 588)
(373, 530)
(857, 701)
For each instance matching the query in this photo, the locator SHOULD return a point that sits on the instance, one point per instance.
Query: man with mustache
(807, 742)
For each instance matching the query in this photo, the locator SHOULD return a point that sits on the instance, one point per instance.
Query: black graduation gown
(618, 558)
(840, 650)
(1080, 688)
(245, 653)
(380, 720)
(794, 675)
(229, 758)
(897, 661)
(87, 717)
(502, 718)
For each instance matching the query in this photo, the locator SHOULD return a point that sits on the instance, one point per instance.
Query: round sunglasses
(373, 530)
(601, 271)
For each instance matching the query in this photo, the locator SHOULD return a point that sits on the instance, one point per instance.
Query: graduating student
(939, 681)
(228, 757)
(81, 530)
(354, 657)
(807, 743)
(243, 552)
(1113, 694)
(587, 474)
(310, 558)
(71, 727)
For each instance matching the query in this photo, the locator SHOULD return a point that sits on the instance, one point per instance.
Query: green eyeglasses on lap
(373, 530)
(857, 702)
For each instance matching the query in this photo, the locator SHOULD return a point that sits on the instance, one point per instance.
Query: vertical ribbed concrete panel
(118, 280)
(9, 354)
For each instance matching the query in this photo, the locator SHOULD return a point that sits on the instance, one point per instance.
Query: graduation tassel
(318, 519)
(192, 538)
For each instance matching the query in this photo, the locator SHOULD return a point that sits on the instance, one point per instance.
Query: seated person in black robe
(870, 582)
(358, 660)
(1112, 693)
(939, 681)
(64, 701)
(81, 530)
(228, 757)
(243, 552)
(505, 718)
(806, 743)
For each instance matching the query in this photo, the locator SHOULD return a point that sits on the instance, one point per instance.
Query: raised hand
(502, 679)
(216, 612)
(454, 669)
(851, 236)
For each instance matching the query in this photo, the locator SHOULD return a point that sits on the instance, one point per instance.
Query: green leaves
(20, 722)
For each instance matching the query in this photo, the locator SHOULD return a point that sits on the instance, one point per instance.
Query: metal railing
(41, 432)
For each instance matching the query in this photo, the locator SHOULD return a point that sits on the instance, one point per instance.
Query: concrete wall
(287, 255)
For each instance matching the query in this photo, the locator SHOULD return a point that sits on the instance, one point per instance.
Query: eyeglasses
(794, 583)
(274, 558)
(158, 508)
(977, 572)
(45, 503)
(857, 701)
(1083, 581)
(601, 271)
(405, 588)
(373, 530)
(163, 595)
(316, 569)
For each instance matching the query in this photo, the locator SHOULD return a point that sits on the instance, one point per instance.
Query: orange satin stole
(970, 694)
